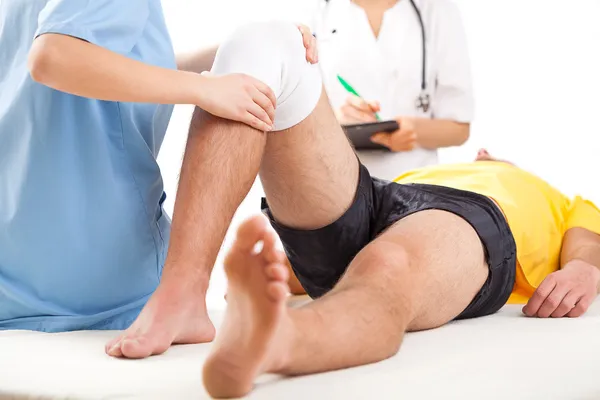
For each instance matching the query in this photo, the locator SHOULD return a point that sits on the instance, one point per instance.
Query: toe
(250, 233)
(115, 349)
(277, 291)
(109, 345)
(140, 348)
(277, 272)
(269, 251)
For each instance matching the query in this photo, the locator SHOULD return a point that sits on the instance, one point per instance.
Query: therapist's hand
(357, 111)
(310, 44)
(404, 139)
(238, 97)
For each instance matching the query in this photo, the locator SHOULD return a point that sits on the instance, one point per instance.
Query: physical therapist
(408, 61)
(86, 94)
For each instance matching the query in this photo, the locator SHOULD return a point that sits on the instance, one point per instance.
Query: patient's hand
(565, 293)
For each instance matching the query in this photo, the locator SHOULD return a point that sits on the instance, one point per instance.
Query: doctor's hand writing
(404, 139)
(357, 111)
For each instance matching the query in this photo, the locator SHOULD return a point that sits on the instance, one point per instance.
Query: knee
(385, 269)
(265, 39)
(272, 52)
(385, 260)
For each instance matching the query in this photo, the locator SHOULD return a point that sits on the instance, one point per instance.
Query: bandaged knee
(274, 53)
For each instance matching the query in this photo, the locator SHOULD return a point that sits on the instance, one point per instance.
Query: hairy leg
(420, 274)
(307, 154)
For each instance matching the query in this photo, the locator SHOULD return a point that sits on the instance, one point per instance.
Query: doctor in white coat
(408, 60)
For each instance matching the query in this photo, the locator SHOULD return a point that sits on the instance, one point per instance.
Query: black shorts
(320, 257)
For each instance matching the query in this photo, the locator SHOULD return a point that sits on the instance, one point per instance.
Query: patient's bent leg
(420, 274)
(298, 161)
(309, 170)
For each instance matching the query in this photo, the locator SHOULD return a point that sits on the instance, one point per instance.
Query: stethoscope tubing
(423, 43)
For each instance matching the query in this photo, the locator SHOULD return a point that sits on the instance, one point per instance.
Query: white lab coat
(388, 69)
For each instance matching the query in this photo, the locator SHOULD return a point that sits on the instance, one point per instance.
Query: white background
(536, 71)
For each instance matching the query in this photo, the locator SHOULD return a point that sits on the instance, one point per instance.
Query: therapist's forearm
(438, 133)
(197, 61)
(80, 68)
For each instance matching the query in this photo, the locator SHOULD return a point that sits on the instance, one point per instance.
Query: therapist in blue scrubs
(86, 94)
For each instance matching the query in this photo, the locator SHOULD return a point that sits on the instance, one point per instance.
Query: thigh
(320, 256)
(437, 267)
(310, 171)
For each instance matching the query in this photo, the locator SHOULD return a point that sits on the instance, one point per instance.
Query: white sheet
(499, 357)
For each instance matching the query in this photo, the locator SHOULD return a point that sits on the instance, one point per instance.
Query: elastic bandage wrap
(274, 53)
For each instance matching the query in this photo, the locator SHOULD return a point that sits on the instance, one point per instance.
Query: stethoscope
(423, 102)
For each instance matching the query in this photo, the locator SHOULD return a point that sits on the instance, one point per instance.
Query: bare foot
(169, 318)
(254, 333)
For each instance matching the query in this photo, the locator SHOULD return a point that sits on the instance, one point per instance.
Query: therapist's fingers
(266, 90)
(310, 44)
(265, 103)
(257, 118)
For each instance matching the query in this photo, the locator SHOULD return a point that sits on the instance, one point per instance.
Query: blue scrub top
(82, 233)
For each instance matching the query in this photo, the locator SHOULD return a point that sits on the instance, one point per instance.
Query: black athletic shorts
(320, 257)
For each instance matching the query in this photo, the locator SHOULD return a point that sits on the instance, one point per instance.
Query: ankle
(282, 355)
(174, 283)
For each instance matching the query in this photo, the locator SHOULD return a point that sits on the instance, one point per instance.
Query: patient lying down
(379, 258)
(407, 278)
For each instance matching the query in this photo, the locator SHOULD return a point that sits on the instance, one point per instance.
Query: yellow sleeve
(584, 214)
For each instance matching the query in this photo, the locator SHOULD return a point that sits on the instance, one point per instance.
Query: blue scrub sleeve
(113, 24)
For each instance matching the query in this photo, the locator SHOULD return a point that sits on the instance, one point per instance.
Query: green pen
(351, 90)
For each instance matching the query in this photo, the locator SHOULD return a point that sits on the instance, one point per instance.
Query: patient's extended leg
(420, 274)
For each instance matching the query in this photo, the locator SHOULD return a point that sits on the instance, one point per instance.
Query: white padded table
(505, 356)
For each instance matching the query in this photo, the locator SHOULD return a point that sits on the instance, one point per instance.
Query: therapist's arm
(80, 68)
(438, 133)
(197, 61)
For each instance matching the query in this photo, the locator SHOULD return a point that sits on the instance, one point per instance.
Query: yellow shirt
(538, 214)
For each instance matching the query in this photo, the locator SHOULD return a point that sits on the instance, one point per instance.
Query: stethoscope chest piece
(423, 102)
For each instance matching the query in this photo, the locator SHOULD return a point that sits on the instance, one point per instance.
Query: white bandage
(274, 53)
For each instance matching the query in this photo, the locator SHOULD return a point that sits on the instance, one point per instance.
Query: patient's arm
(570, 291)
(580, 244)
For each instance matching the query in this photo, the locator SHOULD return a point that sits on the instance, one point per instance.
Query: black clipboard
(360, 134)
